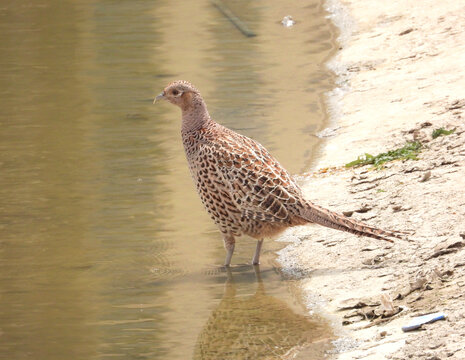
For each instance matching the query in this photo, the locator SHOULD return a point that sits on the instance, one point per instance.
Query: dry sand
(402, 75)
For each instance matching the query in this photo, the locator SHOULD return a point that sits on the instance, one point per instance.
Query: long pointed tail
(316, 214)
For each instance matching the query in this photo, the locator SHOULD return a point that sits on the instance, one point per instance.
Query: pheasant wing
(261, 188)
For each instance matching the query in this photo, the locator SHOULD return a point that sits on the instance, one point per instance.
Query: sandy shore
(401, 75)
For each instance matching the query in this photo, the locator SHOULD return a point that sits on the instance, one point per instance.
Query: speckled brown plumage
(243, 188)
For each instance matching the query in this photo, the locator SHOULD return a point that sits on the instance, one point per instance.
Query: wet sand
(401, 76)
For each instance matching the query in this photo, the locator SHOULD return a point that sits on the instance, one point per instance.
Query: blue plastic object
(417, 322)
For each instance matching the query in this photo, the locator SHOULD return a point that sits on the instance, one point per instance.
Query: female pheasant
(244, 189)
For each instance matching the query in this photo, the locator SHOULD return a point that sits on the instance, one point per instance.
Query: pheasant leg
(256, 257)
(229, 243)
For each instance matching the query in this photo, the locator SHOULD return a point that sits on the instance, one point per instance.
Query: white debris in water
(287, 21)
(328, 132)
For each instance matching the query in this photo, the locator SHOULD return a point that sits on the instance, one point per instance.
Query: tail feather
(316, 214)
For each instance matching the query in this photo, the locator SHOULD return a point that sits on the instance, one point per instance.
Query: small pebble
(426, 176)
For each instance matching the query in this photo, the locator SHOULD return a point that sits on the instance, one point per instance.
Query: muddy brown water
(105, 249)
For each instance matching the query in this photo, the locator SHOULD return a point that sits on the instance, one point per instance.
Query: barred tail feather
(316, 214)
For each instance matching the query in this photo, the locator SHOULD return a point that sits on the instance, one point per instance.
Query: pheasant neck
(194, 114)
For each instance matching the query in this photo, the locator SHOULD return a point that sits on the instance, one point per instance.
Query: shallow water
(105, 249)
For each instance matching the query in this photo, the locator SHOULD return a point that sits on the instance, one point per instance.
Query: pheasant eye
(175, 92)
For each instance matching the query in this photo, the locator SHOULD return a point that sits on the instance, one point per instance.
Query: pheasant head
(179, 93)
(183, 94)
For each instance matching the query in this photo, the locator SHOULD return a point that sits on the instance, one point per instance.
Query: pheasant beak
(159, 97)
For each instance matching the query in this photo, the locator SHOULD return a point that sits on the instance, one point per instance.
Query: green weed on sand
(408, 152)
(441, 131)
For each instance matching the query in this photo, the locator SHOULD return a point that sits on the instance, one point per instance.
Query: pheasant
(243, 188)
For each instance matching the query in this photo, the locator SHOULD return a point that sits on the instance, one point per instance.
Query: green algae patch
(409, 151)
(442, 132)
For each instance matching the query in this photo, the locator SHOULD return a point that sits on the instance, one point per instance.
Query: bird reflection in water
(257, 326)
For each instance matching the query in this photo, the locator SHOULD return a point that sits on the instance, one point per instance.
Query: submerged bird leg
(229, 243)
(258, 277)
(229, 286)
(256, 256)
